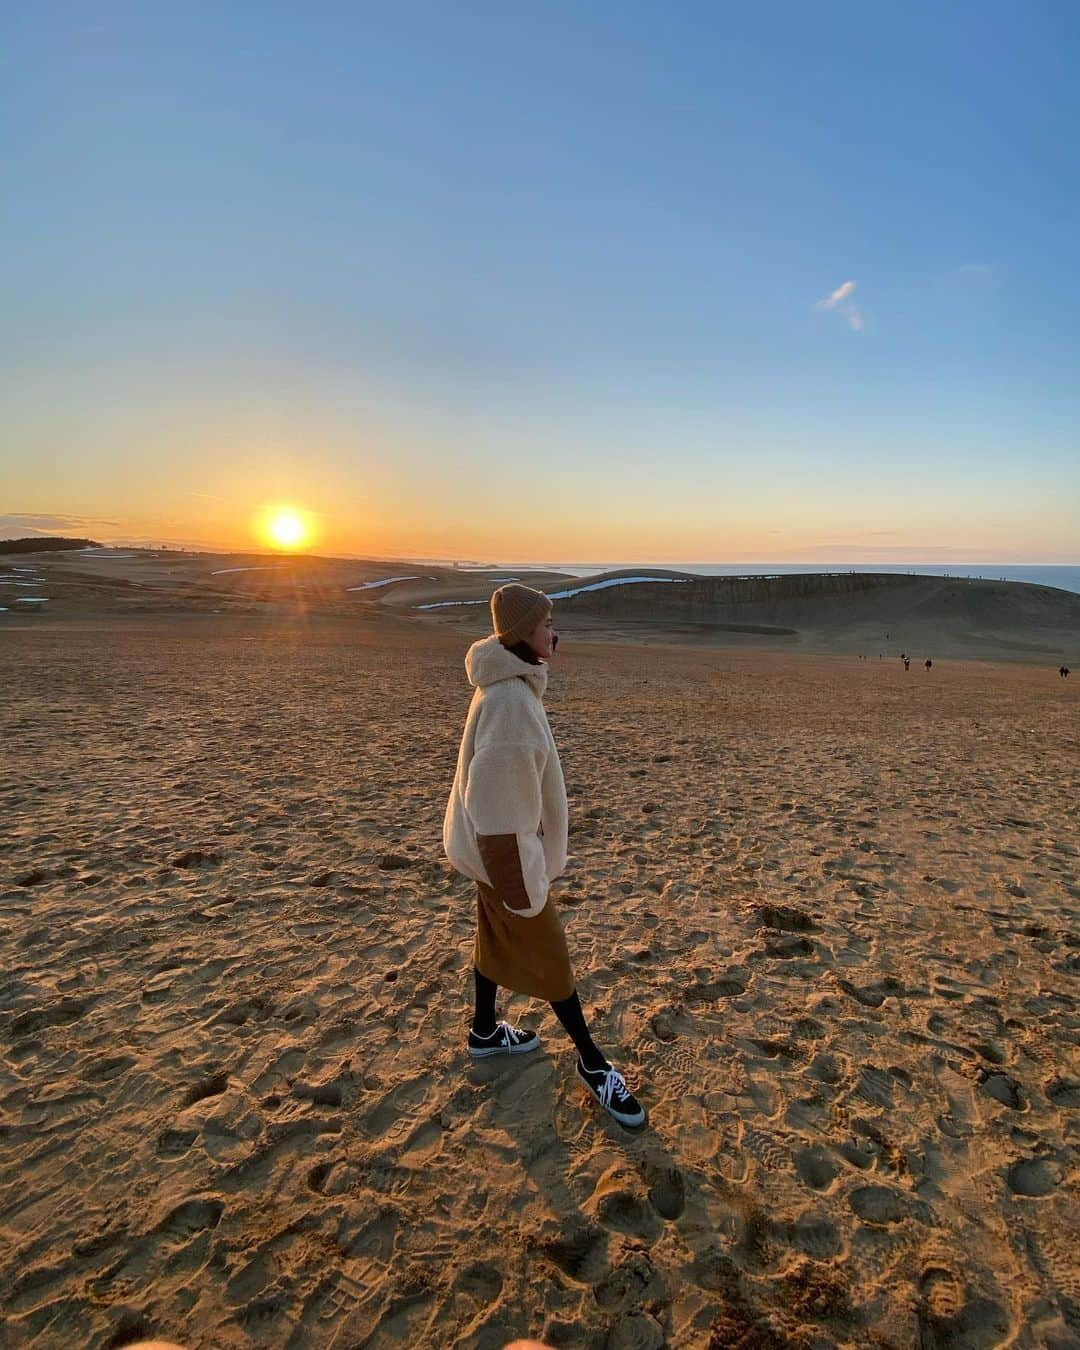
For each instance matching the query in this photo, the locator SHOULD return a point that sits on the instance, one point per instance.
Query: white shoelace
(508, 1035)
(614, 1085)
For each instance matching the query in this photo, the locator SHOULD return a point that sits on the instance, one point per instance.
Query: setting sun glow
(285, 527)
(288, 531)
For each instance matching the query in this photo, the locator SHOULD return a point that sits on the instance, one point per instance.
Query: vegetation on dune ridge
(955, 615)
(841, 597)
(46, 543)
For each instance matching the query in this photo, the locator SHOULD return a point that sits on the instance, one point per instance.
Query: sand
(823, 913)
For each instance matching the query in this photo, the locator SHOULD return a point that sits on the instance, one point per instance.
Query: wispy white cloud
(841, 293)
(33, 522)
(840, 301)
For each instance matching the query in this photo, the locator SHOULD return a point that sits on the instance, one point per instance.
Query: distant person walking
(1063, 671)
(928, 663)
(506, 828)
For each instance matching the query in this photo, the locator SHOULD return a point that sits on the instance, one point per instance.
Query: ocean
(1063, 577)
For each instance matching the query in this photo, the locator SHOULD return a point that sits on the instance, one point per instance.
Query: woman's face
(542, 638)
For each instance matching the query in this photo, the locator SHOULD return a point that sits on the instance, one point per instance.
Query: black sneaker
(609, 1088)
(504, 1040)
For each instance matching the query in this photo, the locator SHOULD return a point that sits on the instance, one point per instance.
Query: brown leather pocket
(502, 862)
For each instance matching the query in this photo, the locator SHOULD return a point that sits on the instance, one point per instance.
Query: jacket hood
(488, 661)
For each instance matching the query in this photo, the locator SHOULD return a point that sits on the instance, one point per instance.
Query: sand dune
(823, 912)
(864, 613)
(859, 613)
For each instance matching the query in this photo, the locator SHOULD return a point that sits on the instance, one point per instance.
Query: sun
(286, 528)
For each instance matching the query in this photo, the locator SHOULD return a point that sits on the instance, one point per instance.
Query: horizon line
(455, 562)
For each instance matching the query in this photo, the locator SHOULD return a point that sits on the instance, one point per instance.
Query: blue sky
(545, 281)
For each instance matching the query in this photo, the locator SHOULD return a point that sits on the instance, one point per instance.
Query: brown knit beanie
(515, 612)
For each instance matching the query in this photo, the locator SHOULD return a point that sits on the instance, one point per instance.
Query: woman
(506, 828)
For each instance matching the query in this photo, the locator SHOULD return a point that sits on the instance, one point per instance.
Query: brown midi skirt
(528, 956)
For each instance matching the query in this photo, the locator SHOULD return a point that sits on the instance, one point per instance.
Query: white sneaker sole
(486, 1052)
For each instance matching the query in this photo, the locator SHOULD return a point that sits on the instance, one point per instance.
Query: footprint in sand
(376, 1240)
(941, 1292)
(287, 1136)
(58, 1014)
(23, 1050)
(212, 1086)
(302, 1012)
(237, 1014)
(873, 995)
(945, 987)
(581, 1254)
(667, 1025)
(636, 1331)
(393, 1117)
(815, 1167)
(175, 1143)
(829, 1068)
(667, 1191)
(683, 1061)
(1053, 1253)
(33, 1287)
(228, 1135)
(618, 1203)
(1034, 1177)
(731, 983)
(196, 859)
(259, 1316)
(319, 1094)
(716, 1272)
(961, 1116)
(875, 1086)
(248, 1282)
(285, 1067)
(766, 1151)
(880, 1206)
(775, 1049)
(788, 946)
(951, 1315)
(333, 1177)
(102, 1070)
(481, 1280)
(1063, 1093)
(634, 1282)
(1003, 1089)
(816, 1236)
(785, 919)
(423, 1144)
(189, 1219)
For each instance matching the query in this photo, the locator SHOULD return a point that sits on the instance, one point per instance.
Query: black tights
(567, 1010)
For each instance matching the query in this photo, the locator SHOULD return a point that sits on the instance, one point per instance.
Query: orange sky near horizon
(398, 491)
(216, 527)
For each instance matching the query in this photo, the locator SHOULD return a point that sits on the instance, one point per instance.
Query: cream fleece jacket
(509, 783)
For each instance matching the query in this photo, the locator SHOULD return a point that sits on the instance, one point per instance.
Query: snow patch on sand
(603, 585)
(370, 585)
